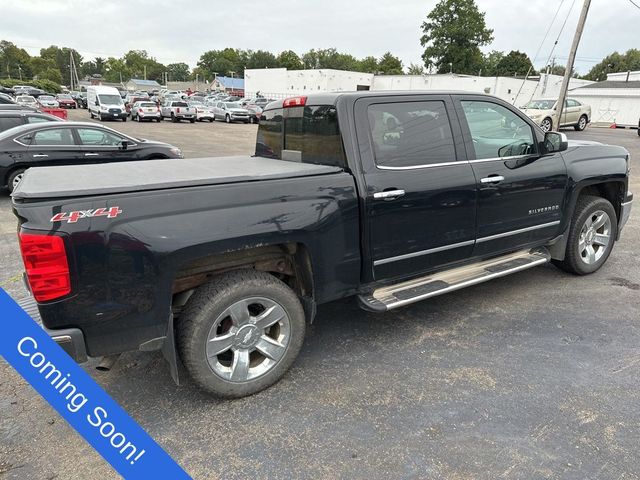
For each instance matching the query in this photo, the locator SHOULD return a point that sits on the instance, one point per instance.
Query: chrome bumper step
(411, 291)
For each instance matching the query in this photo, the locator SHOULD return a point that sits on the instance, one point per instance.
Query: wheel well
(156, 156)
(612, 191)
(290, 262)
(10, 172)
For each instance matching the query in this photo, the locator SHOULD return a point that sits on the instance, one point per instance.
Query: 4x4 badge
(73, 217)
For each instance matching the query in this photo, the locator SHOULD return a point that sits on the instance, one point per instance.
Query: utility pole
(570, 60)
(145, 72)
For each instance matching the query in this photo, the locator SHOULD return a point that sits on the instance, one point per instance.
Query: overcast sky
(177, 30)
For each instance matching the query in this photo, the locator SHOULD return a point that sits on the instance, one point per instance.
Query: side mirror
(124, 144)
(555, 142)
(97, 103)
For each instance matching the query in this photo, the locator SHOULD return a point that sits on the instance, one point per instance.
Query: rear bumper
(70, 339)
(625, 211)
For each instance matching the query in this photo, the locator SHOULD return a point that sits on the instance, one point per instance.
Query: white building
(612, 101)
(280, 83)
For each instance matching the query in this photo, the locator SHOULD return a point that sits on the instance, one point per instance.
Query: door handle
(91, 154)
(492, 179)
(40, 155)
(388, 194)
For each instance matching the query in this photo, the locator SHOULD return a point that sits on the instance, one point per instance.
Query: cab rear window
(308, 134)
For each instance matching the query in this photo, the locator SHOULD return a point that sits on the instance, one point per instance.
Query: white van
(105, 102)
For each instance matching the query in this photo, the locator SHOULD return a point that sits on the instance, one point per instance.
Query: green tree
(368, 65)
(116, 70)
(52, 74)
(222, 62)
(490, 63)
(452, 36)
(40, 65)
(415, 69)
(62, 58)
(138, 62)
(615, 62)
(329, 58)
(289, 60)
(390, 65)
(97, 66)
(14, 61)
(261, 59)
(514, 63)
(178, 72)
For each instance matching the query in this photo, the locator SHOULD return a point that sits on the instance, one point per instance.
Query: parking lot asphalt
(532, 376)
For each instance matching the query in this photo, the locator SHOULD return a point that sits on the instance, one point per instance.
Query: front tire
(591, 236)
(582, 124)
(240, 333)
(227, 118)
(546, 125)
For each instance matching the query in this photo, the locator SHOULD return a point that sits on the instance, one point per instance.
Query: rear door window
(93, 136)
(410, 134)
(53, 137)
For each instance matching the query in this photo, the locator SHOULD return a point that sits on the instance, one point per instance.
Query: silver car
(142, 110)
(231, 112)
(48, 101)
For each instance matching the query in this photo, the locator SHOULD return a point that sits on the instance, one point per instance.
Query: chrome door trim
(423, 252)
(495, 159)
(429, 165)
(516, 232)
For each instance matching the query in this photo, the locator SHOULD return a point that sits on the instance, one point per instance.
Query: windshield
(147, 104)
(180, 104)
(110, 99)
(232, 105)
(64, 97)
(46, 97)
(540, 104)
(25, 99)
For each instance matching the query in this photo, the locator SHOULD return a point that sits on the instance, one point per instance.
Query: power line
(635, 4)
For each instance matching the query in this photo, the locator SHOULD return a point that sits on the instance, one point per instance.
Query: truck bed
(122, 177)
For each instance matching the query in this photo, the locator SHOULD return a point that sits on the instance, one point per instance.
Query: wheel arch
(290, 262)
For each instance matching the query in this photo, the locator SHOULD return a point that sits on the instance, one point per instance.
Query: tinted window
(53, 136)
(34, 119)
(409, 134)
(497, 131)
(92, 136)
(180, 104)
(307, 134)
(9, 122)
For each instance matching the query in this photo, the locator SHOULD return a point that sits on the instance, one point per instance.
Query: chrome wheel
(248, 339)
(546, 125)
(16, 180)
(582, 123)
(595, 237)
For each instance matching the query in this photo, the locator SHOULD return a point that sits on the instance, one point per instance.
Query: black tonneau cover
(108, 178)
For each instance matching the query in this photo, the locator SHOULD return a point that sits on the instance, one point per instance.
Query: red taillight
(45, 261)
(178, 110)
(294, 102)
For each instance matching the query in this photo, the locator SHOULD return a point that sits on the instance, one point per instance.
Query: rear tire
(192, 120)
(227, 118)
(173, 118)
(14, 179)
(207, 326)
(591, 236)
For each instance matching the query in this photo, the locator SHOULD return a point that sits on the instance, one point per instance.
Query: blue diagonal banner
(79, 399)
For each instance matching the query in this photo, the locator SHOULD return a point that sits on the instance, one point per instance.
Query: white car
(27, 101)
(543, 112)
(142, 110)
(203, 111)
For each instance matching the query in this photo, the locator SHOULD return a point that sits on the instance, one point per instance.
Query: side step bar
(411, 291)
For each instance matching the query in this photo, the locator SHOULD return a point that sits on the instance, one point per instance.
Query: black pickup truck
(389, 197)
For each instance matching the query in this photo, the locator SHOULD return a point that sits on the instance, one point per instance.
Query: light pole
(232, 72)
(20, 72)
(450, 68)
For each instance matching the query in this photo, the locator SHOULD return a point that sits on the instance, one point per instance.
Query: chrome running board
(411, 291)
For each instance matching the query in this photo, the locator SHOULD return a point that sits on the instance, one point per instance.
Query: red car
(65, 101)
